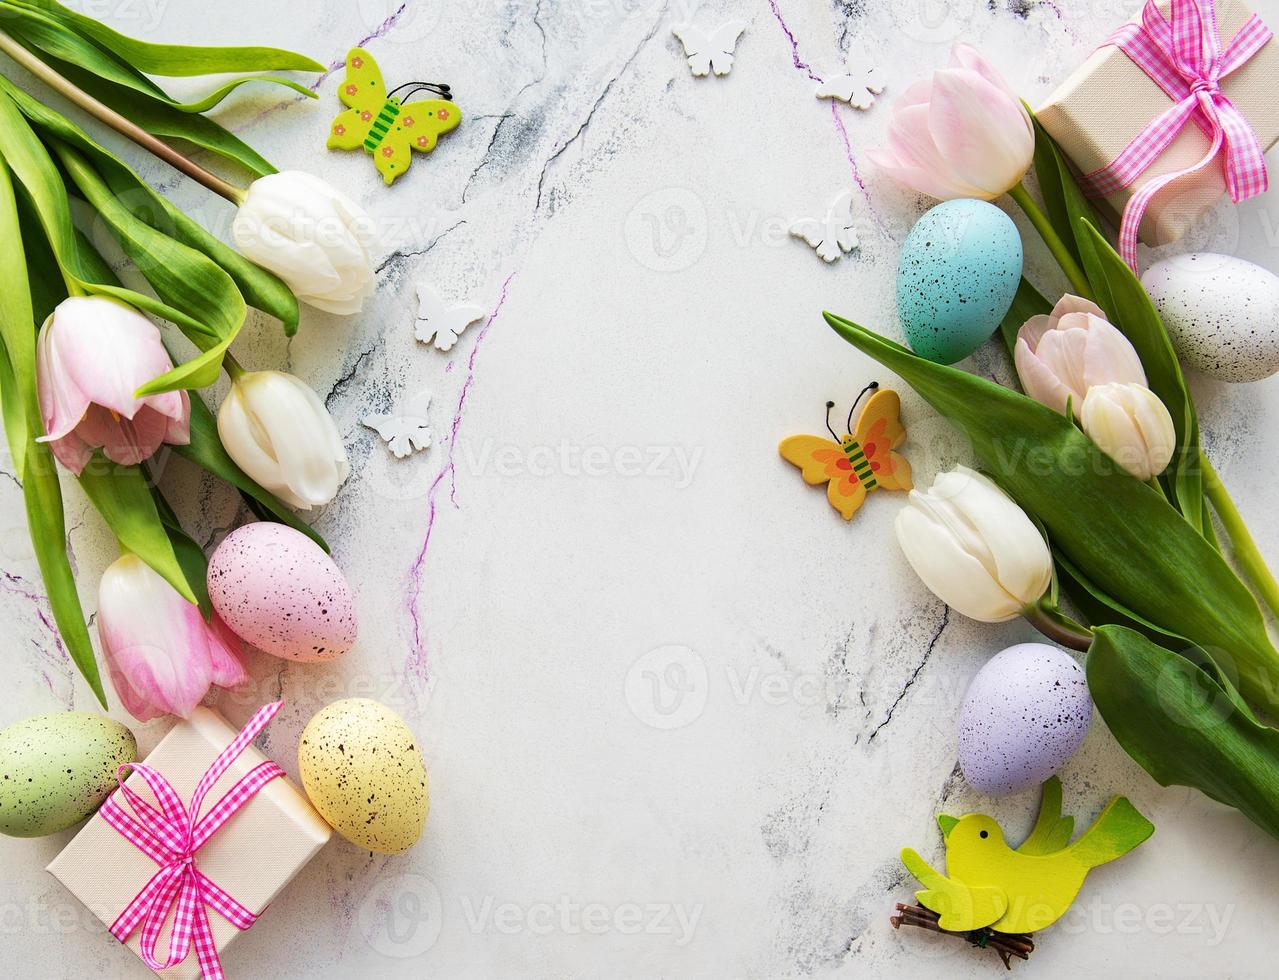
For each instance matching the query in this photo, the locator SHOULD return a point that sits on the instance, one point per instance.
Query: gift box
(1110, 99)
(251, 857)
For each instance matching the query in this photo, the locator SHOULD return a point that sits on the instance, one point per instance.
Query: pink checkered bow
(1185, 59)
(171, 836)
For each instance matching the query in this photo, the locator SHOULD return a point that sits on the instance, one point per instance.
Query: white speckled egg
(1025, 714)
(956, 278)
(1221, 312)
(56, 769)
(363, 771)
(279, 591)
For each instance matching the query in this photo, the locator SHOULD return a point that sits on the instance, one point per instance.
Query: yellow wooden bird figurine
(988, 884)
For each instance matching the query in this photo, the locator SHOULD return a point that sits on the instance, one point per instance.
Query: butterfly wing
(392, 156)
(879, 432)
(426, 120)
(439, 323)
(723, 41)
(822, 461)
(363, 87)
(814, 232)
(840, 232)
(402, 435)
(417, 127)
(696, 48)
(349, 129)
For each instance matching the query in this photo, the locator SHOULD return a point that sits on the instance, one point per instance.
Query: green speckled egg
(363, 771)
(57, 769)
(956, 278)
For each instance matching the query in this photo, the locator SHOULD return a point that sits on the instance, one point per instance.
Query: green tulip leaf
(1027, 302)
(1135, 547)
(195, 567)
(260, 288)
(199, 372)
(33, 462)
(177, 59)
(1183, 722)
(1121, 295)
(185, 278)
(122, 495)
(167, 121)
(39, 176)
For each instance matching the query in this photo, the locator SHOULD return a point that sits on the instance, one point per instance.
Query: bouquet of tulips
(1093, 517)
(86, 377)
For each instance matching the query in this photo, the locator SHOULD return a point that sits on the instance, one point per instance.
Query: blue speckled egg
(956, 278)
(1025, 714)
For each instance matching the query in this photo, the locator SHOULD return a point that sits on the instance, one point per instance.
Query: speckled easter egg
(279, 591)
(1221, 312)
(1025, 714)
(363, 771)
(56, 769)
(956, 278)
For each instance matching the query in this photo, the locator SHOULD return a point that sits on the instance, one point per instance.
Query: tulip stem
(104, 113)
(232, 367)
(1057, 626)
(1159, 488)
(1246, 552)
(1078, 281)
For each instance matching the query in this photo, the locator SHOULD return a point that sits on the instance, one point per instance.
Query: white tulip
(279, 432)
(312, 236)
(974, 547)
(1131, 426)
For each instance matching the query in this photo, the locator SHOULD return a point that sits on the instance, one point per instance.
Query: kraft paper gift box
(253, 856)
(1108, 100)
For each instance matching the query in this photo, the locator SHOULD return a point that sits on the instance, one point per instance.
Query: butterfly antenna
(438, 88)
(829, 406)
(870, 387)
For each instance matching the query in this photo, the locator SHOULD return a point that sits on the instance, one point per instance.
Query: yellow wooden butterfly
(861, 461)
(389, 128)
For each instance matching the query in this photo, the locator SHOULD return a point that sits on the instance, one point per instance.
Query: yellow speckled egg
(363, 771)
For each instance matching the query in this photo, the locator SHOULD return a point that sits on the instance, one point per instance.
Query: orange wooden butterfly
(861, 461)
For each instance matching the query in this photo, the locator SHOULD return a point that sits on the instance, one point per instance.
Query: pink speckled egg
(279, 591)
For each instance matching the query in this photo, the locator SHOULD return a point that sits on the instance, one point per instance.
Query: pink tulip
(961, 133)
(1060, 355)
(161, 654)
(92, 355)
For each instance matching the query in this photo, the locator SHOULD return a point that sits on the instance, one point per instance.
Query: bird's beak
(947, 823)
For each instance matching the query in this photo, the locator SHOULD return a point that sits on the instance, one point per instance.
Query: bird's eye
(984, 834)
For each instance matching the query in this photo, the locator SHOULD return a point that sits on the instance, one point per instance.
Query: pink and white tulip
(961, 133)
(161, 654)
(92, 354)
(1060, 355)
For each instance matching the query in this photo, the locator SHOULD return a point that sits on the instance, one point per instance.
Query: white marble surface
(605, 484)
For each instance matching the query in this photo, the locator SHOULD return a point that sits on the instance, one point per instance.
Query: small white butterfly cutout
(709, 50)
(439, 323)
(404, 434)
(856, 88)
(836, 234)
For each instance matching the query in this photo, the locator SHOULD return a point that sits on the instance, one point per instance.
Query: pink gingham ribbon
(1184, 58)
(170, 837)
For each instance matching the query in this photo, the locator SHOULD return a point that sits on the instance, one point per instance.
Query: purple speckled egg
(1025, 714)
(279, 591)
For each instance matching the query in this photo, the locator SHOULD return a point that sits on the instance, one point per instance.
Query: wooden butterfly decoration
(863, 460)
(383, 123)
